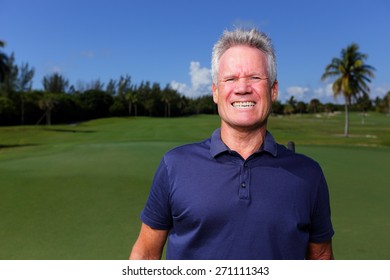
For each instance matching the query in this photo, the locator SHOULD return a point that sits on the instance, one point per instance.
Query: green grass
(75, 192)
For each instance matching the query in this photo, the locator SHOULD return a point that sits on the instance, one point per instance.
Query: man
(238, 194)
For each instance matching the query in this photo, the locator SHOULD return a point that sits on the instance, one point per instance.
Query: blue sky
(170, 42)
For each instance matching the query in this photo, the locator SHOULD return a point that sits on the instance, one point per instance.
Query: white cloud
(51, 67)
(299, 93)
(380, 91)
(329, 90)
(180, 87)
(56, 69)
(200, 82)
(87, 54)
(305, 94)
(319, 92)
(324, 92)
(200, 77)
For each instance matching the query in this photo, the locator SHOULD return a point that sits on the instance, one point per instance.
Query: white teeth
(245, 104)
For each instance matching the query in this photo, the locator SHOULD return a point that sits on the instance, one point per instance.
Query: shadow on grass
(69, 130)
(16, 146)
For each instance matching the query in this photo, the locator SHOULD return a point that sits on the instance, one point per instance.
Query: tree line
(62, 102)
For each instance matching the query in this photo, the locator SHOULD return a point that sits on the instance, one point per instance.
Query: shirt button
(243, 185)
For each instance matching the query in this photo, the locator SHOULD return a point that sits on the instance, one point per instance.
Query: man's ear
(275, 91)
(214, 88)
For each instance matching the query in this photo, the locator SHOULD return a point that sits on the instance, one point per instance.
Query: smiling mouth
(246, 104)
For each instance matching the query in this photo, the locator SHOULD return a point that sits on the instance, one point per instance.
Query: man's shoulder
(188, 151)
(297, 160)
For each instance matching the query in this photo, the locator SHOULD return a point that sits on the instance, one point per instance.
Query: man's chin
(247, 126)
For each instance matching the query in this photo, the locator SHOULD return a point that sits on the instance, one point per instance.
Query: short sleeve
(321, 229)
(157, 211)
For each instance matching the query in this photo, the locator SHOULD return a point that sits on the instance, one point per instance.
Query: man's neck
(243, 141)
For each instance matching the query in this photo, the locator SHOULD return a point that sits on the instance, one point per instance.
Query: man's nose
(243, 86)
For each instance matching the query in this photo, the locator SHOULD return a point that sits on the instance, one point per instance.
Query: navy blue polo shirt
(216, 205)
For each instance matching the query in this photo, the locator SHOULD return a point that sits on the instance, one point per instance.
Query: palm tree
(55, 83)
(4, 68)
(47, 103)
(293, 103)
(352, 77)
(364, 104)
(314, 105)
(288, 109)
(24, 80)
(131, 97)
(301, 107)
(387, 99)
(167, 96)
(10, 79)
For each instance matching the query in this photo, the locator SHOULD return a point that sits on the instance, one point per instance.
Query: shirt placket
(244, 188)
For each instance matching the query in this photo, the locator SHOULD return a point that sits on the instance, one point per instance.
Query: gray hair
(252, 38)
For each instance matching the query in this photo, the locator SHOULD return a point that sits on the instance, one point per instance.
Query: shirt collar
(217, 146)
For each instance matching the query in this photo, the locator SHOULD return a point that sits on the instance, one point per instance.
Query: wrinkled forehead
(242, 59)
